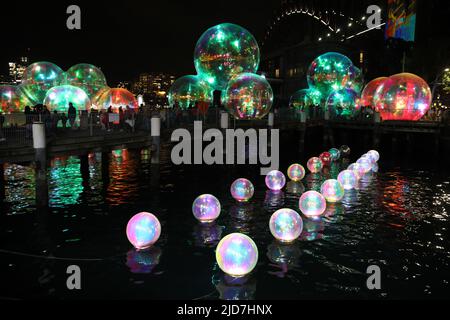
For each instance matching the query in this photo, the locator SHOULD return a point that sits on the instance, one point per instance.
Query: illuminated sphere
(206, 208)
(329, 72)
(365, 163)
(312, 204)
(97, 99)
(186, 91)
(335, 154)
(286, 225)
(374, 155)
(237, 255)
(38, 78)
(326, 158)
(143, 230)
(332, 190)
(355, 79)
(369, 91)
(348, 179)
(225, 51)
(275, 180)
(403, 96)
(345, 151)
(58, 98)
(315, 165)
(296, 172)
(248, 96)
(242, 190)
(343, 103)
(305, 98)
(9, 101)
(87, 77)
(357, 169)
(115, 97)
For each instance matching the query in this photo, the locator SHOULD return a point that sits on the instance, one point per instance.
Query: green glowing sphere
(189, 90)
(329, 72)
(58, 98)
(87, 77)
(248, 96)
(343, 103)
(305, 98)
(38, 78)
(355, 79)
(224, 51)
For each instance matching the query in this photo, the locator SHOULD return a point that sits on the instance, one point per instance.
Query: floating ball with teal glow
(224, 51)
(286, 225)
(343, 103)
(335, 154)
(296, 172)
(242, 190)
(237, 255)
(58, 99)
(87, 77)
(206, 208)
(332, 190)
(143, 230)
(186, 91)
(312, 204)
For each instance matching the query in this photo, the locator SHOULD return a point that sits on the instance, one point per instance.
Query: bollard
(156, 139)
(224, 120)
(271, 120)
(39, 141)
(326, 115)
(302, 116)
(40, 145)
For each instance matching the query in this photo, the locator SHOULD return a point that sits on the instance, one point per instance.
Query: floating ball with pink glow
(143, 230)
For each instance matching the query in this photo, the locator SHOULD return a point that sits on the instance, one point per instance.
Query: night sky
(123, 38)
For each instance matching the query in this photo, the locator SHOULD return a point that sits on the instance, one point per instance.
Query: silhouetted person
(2, 121)
(72, 115)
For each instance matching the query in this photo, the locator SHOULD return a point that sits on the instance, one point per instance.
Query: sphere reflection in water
(348, 179)
(332, 190)
(242, 190)
(207, 235)
(334, 212)
(314, 181)
(275, 180)
(315, 165)
(312, 230)
(284, 254)
(233, 289)
(295, 187)
(274, 199)
(296, 172)
(312, 204)
(143, 261)
(237, 255)
(206, 208)
(143, 230)
(286, 225)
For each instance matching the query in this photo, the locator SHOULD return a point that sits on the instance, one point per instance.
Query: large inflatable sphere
(115, 98)
(58, 99)
(189, 90)
(87, 77)
(367, 96)
(343, 103)
(9, 101)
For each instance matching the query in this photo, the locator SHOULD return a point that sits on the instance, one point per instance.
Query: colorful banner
(401, 23)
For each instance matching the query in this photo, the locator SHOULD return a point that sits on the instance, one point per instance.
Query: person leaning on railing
(2, 121)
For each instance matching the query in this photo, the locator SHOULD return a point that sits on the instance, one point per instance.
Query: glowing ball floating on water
(58, 98)
(312, 204)
(286, 225)
(242, 190)
(248, 96)
(237, 255)
(275, 180)
(374, 155)
(315, 165)
(115, 98)
(335, 154)
(403, 96)
(348, 179)
(343, 103)
(369, 91)
(326, 158)
(186, 91)
(332, 190)
(206, 208)
(357, 169)
(365, 163)
(345, 151)
(87, 77)
(225, 51)
(329, 72)
(296, 172)
(143, 230)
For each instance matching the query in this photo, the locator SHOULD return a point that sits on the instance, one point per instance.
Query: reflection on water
(207, 234)
(65, 183)
(20, 190)
(231, 288)
(143, 261)
(284, 257)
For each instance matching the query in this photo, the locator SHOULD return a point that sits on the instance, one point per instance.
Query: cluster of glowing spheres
(38, 78)
(143, 230)
(275, 180)
(237, 255)
(332, 190)
(305, 98)
(345, 151)
(206, 208)
(329, 72)
(115, 98)
(242, 190)
(314, 165)
(374, 155)
(335, 154)
(403, 96)
(348, 179)
(343, 103)
(312, 204)
(58, 98)
(369, 91)
(286, 225)
(248, 96)
(9, 101)
(225, 51)
(326, 158)
(296, 172)
(87, 77)
(187, 91)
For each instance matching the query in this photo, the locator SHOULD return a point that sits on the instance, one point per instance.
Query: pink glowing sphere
(374, 155)
(275, 180)
(237, 255)
(206, 208)
(315, 165)
(365, 163)
(348, 179)
(326, 158)
(403, 96)
(357, 169)
(369, 91)
(312, 204)
(143, 230)
(296, 172)
(242, 190)
(286, 225)
(332, 190)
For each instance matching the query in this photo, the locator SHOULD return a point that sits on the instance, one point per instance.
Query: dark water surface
(398, 220)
